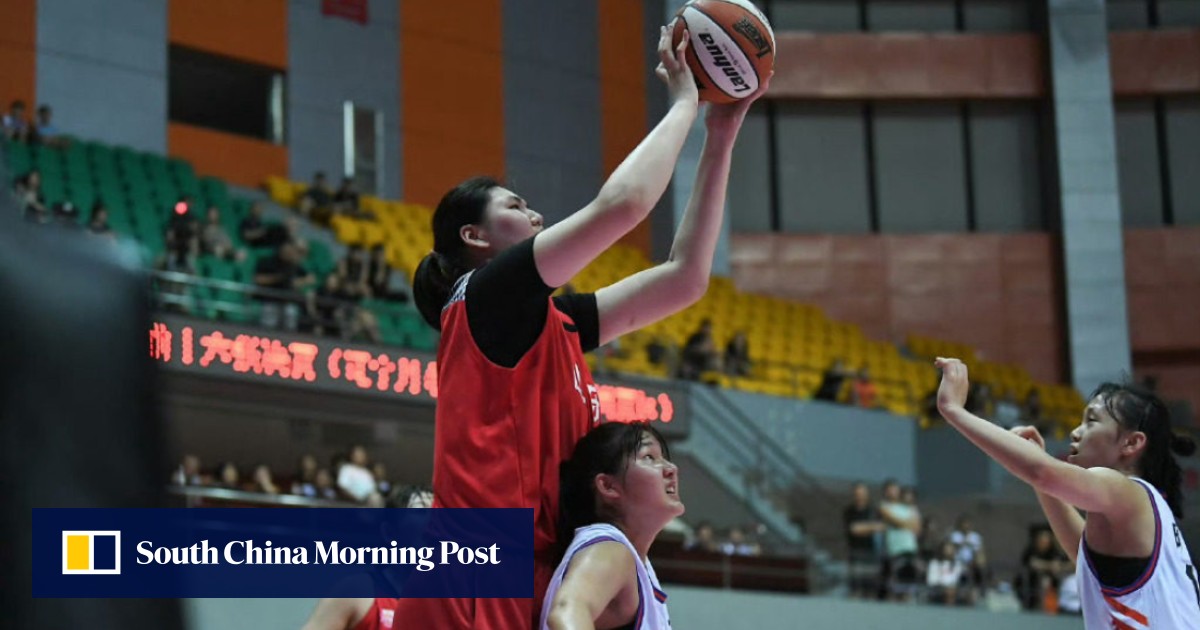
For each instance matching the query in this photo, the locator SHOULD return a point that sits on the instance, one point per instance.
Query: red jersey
(503, 431)
(380, 616)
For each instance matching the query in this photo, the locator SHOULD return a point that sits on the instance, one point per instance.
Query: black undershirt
(506, 307)
(1117, 571)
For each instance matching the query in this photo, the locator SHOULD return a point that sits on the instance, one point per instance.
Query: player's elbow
(689, 284)
(563, 614)
(631, 202)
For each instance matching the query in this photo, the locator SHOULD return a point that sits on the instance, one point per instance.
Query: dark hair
(1137, 409)
(606, 450)
(439, 270)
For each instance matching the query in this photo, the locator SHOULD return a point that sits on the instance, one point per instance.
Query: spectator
(1007, 413)
(229, 477)
(863, 392)
(215, 240)
(980, 401)
(262, 480)
(182, 237)
(420, 498)
(1041, 564)
(316, 202)
(188, 472)
(943, 575)
(323, 482)
(900, 541)
(704, 539)
(46, 132)
(327, 308)
(252, 228)
(969, 546)
(662, 352)
(28, 191)
(98, 224)
(380, 276)
(354, 269)
(831, 384)
(736, 544)
(382, 485)
(354, 477)
(66, 215)
(305, 483)
(737, 355)
(345, 200)
(283, 276)
(1033, 408)
(699, 354)
(1068, 593)
(14, 124)
(862, 525)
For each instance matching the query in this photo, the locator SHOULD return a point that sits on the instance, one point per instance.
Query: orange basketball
(732, 47)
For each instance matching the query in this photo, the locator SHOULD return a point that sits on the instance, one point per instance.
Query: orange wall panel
(234, 158)
(18, 53)
(622, 92)
(254, 31)
(452, 73)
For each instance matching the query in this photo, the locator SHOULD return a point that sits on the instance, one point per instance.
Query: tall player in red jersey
(515, 394)
(355, 613)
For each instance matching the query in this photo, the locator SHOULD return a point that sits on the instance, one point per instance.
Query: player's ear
(606, 487)
(473, 235)
(1134, 443)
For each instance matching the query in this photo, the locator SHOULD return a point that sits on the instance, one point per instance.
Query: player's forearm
(1065, 522)
(699, 229)
(1016, 455)
(638, 183)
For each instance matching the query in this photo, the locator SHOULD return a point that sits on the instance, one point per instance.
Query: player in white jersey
(618, 490)
(1132, 564)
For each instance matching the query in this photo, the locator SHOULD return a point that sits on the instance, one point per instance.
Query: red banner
(355, 10)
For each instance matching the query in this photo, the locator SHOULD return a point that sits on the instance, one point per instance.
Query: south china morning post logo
(315, 552)
(91, 552)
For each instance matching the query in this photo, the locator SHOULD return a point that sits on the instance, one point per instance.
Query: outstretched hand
(673, 69)
(1030, 434)
(952, 393)
(730, 115)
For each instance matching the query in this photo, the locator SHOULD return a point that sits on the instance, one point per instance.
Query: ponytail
(432, 283)
(434, 279)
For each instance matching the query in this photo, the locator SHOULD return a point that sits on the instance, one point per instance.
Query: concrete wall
(333, 60)
(103, 68)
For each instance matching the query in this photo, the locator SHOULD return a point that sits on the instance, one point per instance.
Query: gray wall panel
(1126, 15)
(1137, 164)
(814, 15)
(919, 168)
(1178, 13)
(103, 68)
(333, 60)
(750, 175)
(1183, 131)
(1005, 167)
(910, 15)
(552, 118)
(822, 168)
(998, 16)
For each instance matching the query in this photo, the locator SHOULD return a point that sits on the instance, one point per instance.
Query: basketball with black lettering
(732, 47)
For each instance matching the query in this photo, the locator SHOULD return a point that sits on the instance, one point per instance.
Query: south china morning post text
(237, 552)
(302, 552)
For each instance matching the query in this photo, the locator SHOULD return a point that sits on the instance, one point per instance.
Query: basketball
(732, 47)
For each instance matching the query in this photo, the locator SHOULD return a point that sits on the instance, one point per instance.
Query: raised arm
(1101, 490)
(595, 578)
(564, 249)
(682, 279)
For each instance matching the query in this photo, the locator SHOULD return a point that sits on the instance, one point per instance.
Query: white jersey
(652, 601)
(1166, 595)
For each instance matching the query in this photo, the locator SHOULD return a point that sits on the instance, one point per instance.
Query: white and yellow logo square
(91, 553)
